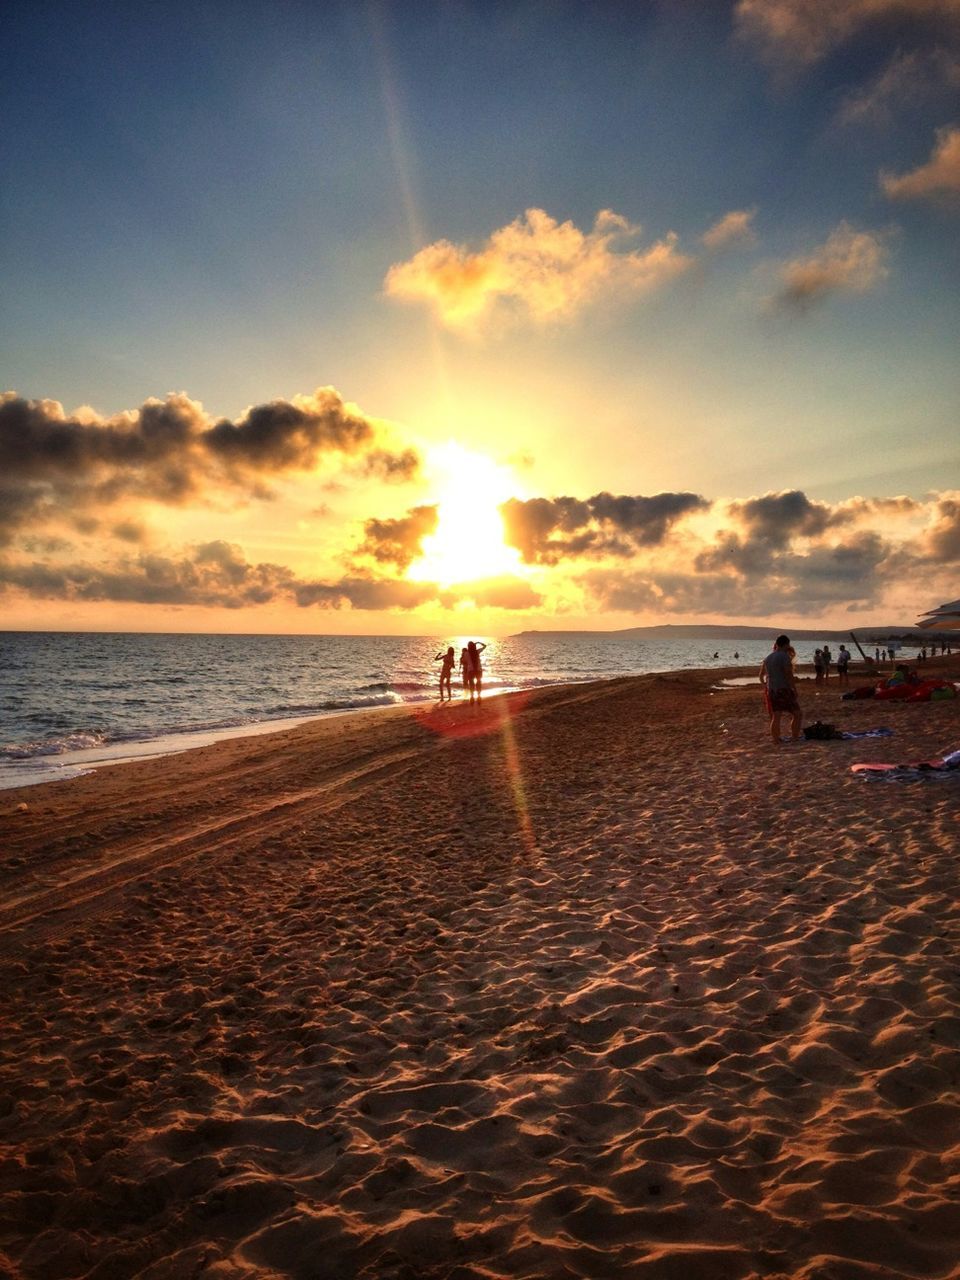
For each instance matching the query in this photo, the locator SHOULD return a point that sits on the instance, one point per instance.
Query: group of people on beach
(823, 660)
(471, 670)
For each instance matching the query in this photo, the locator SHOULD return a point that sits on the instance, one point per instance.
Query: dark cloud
(212, 574)
(849, 573)
(400, 541)
(46, 546)
(547, 530)
(285, 435)
(777, 518)
(757, 558)
(392, 467)
(365, 593)
(19, 506)
(171, 452)
(129, 531)
(767, 527)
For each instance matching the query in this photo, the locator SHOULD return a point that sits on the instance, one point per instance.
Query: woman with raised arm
(474, 650)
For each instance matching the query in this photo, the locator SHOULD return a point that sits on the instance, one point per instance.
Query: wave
(362, 697)
(78, 741)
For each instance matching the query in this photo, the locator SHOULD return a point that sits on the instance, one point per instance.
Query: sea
(70, 701)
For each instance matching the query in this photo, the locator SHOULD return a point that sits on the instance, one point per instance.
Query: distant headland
(726, 631)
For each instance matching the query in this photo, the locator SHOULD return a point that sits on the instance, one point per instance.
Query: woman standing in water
(474, 667)
(446, 671)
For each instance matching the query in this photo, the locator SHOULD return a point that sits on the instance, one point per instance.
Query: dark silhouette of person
(780, 689)
(446, 671)
(475, 668)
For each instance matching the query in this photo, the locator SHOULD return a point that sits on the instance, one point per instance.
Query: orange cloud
(735, 227)
(939, 176)
(547, 268)
(803, 31)
(849, 260)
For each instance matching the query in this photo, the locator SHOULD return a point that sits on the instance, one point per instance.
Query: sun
(468, 543)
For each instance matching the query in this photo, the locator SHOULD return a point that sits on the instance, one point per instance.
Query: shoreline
(592, 981)
(42, 769)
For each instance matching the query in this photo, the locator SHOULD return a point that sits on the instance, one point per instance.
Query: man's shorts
(783, 700)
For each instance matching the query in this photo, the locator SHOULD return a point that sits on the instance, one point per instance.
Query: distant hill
(726, 631)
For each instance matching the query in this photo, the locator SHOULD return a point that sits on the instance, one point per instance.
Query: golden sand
(593, 982)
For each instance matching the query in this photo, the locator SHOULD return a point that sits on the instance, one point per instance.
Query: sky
(392, 317)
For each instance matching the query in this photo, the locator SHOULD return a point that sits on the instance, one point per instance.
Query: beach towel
(948, 763)
(866, 733)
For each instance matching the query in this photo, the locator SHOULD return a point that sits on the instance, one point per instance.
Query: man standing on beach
(776, 676)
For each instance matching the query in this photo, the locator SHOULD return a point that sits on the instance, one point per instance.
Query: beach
(590, 981)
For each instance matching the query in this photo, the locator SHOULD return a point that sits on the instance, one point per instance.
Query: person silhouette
(780, 690)
(843, 661)
(475, 667)
(446, 671)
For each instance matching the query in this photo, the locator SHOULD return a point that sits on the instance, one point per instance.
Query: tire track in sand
(51, 911)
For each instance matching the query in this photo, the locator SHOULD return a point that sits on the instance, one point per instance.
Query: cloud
(773, 553)
(400, 541)
(212, 575)
(129, 531)
(938, 177)
(786, 553)
(171, 452)
(942, 541)
(547, 530)
(802, 32)
(907, 79)
(777, 518)
(899, 505)
(849, 261)
(548, 269)
(735, 227)
(845, 573)
(764, 529)
(365, 593)
(400, 467)
(501, 593)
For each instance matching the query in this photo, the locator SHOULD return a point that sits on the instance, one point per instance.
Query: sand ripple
(647, 999)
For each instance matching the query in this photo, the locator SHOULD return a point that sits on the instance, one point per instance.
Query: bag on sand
(820, 732)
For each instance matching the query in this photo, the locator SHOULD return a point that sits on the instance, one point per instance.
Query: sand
(594, 982)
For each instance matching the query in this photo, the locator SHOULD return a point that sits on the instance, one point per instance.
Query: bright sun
(468, 542)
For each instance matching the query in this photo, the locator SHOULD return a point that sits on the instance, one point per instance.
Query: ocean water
(72, 700)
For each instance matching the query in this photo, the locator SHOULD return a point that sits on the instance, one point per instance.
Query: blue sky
(208, 198)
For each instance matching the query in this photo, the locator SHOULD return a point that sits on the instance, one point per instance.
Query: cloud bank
(173, 453)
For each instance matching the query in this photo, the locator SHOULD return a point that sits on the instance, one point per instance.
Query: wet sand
(593, 982)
